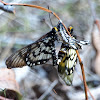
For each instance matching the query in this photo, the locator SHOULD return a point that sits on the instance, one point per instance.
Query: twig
(88, 90)
(48, 90)
(83, 74)
(41, 8)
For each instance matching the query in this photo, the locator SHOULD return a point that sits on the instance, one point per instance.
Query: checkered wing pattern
(67, 58)
(36, 53)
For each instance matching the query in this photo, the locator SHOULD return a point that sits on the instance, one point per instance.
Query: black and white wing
(36, 53)
(67, 59)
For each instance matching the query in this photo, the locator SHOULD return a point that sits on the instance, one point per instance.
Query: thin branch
(48, 90)
(83, 74)
(38, 7)
(88, 90)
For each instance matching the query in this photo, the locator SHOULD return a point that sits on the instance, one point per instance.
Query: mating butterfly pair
(44, 49)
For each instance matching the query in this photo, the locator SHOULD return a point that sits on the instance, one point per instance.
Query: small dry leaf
(9, 88)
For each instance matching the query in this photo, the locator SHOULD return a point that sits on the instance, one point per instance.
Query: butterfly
(67, 59)
(43, 49)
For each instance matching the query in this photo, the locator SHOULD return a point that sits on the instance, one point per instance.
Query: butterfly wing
(67, 59)
(36, 53)
(17, 59)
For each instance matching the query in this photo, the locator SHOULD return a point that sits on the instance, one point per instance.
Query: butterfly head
(70, 29)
